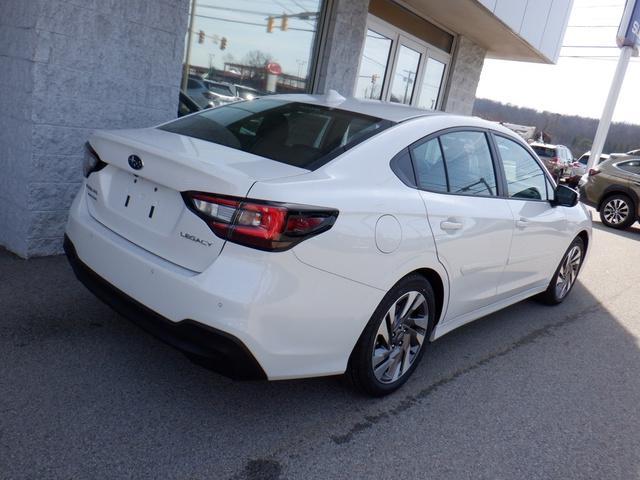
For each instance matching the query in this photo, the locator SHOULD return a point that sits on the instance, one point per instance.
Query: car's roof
(389, 111)
(545, 145)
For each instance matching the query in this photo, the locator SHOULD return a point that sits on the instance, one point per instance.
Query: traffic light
(223, 43)
(270, 21)
(284, 26)
(201, 36)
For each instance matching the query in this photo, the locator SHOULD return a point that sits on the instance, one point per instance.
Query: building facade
(69, 67)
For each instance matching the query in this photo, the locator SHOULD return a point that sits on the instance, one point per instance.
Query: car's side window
(429, 166)
(469, 164)
(525, 178)
(632, 167)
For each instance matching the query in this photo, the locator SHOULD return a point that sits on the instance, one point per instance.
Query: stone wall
(67, 68)
(340, 58)
(17, 50)
(466, 67)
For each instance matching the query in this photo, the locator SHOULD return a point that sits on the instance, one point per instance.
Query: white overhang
(530, 31)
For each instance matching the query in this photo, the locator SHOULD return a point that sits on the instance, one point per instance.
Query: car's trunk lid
(146, 206)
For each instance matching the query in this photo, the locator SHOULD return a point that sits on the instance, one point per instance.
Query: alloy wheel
(568, 271)
(400, 337)
(616, 211)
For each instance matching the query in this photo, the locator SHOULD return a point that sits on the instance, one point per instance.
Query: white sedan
(295, 235)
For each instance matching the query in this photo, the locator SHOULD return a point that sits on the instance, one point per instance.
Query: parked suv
(557, 158)
(579, 168)
(613, 187)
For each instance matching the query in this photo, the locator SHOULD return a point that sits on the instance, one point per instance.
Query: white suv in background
(296, 235)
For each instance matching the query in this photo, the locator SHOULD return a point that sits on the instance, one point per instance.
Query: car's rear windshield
(544, 151)
(298, 134)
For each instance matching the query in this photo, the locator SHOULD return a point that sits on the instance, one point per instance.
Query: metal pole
(187, 60)
(609, 106)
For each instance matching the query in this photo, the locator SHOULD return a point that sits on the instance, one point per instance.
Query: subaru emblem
(135, 162)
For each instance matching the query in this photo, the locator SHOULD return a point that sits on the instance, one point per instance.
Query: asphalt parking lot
(531, 392)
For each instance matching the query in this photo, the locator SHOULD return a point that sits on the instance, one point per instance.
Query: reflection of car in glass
(186, 105)
(248, 93)
(199, 92)
(223, 92)
(299, 235)
(557, 158)
(613, 188)
(579, 168)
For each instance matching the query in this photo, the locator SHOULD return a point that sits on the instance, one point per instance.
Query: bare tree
(257, 58)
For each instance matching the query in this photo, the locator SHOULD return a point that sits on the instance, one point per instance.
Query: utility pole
(628, 40)
(187, 60)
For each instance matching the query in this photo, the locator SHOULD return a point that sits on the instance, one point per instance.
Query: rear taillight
(554, 160)
(593, 172)
(259, 224)
(91, 161)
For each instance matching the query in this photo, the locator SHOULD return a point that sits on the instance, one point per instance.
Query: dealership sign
(629, 31)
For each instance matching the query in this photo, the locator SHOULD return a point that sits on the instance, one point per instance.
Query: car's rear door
(471, 224)
(540, 235)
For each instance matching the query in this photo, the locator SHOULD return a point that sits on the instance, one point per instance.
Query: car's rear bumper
(295, 320)
(205, 345)
(584, 199)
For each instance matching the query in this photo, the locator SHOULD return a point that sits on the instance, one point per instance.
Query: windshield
(298, 134)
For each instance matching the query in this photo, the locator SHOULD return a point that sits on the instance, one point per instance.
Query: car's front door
(471, 224)
(540, 234)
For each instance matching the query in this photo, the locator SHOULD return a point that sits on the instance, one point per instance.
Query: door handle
(522, 223)
(450, 225)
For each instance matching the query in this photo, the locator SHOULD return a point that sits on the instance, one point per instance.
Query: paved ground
(532, 392)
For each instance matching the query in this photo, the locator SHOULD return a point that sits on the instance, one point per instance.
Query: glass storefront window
(404, 78)
(245, 49)
(373, 67)
(431, 84)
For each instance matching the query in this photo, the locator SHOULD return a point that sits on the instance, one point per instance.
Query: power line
(593, 26)
(589, 46)
(237, 10)
(250, 23)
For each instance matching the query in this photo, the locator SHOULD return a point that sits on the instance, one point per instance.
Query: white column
(610, 105)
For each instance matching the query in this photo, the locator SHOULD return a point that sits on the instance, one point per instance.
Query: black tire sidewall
(630, 219)
(360, 365)
(551, 291)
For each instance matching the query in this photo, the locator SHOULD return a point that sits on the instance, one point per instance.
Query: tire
(397, 346)
(557, 291)
(618, 211)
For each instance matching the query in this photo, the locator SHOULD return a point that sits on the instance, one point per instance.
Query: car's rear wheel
(618, 211)
(566, 274)
(395, 339)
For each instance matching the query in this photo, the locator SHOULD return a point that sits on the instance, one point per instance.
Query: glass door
(431, 89)
(398, 67)
(373, 65)
(404, 77)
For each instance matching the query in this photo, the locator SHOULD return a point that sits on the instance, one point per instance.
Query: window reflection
(404, 77)
(430, 92)
(373, 66)
(245, 49)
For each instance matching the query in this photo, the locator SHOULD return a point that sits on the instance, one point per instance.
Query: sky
(577, 86)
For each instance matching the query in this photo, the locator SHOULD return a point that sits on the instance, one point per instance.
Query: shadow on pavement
(529, 392)
(633, 232)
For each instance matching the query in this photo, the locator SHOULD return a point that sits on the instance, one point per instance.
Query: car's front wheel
(395, 339)
(617, 211)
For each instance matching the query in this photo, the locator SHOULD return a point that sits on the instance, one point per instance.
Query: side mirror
(564, 196)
